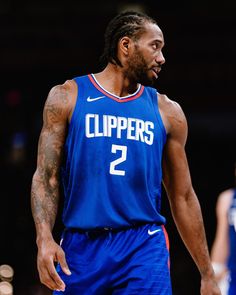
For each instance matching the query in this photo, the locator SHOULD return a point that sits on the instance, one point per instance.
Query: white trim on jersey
(119, 97)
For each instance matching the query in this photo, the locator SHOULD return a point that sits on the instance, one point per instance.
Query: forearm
(44, 204)
(188, 218)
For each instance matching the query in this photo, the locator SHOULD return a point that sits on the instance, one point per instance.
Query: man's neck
(114, 80)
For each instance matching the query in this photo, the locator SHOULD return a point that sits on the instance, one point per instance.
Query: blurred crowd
(20, 126)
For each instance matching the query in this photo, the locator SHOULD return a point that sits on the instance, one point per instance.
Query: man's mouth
(156, 70)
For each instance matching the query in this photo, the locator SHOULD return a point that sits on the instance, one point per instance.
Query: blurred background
(43, 43)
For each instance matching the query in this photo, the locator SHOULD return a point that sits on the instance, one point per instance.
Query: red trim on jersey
(167, 242)
(166, 237)
(137, 95)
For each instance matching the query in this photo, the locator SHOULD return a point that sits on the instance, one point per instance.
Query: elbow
(46, 177)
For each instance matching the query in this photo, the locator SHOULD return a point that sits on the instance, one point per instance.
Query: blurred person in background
(223, 253)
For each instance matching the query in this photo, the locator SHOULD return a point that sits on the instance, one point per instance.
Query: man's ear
(125, 44)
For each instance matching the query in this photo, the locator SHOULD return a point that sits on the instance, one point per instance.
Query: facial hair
(138, 69)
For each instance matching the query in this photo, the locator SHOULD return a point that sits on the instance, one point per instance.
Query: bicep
(50, 148)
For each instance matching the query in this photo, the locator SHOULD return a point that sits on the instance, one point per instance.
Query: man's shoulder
(172, 114)
(164, 101)
(62, 97)
(167, 102)
(170, 107)
(62, 89)
(72, 82)
(80, 78)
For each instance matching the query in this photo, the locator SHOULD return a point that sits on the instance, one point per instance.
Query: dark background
(43, 43)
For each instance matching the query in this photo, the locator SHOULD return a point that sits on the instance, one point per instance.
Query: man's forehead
(153, 31)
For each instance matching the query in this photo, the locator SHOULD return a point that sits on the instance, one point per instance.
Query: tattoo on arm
(45, 185)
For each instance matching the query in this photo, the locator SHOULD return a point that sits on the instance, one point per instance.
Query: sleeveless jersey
(113, 153)
(232, 234)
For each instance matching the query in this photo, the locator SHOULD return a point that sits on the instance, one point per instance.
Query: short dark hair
(129, 23)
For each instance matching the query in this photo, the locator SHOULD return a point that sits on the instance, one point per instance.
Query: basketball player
(115, 139)
(223, 252)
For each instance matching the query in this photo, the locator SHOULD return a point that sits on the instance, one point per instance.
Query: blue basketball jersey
(232, 234)
(112, 172)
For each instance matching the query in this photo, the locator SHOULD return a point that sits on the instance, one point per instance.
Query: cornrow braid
(130, 24)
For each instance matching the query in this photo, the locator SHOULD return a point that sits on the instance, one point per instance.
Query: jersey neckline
(117, 98)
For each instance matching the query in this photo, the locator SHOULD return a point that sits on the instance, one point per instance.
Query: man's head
(134, 42)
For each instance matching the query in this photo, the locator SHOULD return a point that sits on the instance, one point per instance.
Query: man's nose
(160, 58)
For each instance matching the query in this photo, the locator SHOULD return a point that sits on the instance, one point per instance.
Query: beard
(138, 70)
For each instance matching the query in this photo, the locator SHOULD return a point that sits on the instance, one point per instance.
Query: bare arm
(45, 184)
(183, 201)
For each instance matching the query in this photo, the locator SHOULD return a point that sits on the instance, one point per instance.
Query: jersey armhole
(75, 109)
(159, 118)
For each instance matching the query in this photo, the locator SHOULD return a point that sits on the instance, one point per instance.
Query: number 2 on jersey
(114, 149)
